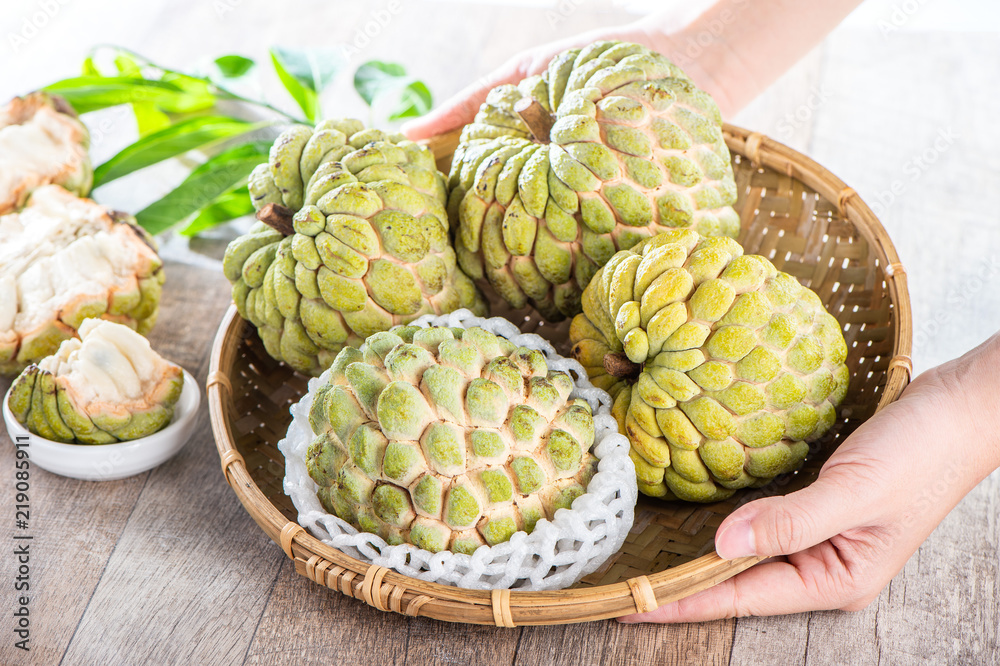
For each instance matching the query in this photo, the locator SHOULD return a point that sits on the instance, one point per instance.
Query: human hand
(461, 108)
(839, 541)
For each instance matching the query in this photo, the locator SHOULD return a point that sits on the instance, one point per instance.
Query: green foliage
(178, 112)
(376, 80)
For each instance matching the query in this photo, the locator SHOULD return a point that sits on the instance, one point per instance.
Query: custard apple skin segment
(635, 149)
(370, 247)
(448, 439)
(107, 386)
(738, 366)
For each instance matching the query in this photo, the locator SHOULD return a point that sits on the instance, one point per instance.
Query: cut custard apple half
(107, 386)
(41, 142)
(64, 259)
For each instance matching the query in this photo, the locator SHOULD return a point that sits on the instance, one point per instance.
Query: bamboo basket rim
(388, 590)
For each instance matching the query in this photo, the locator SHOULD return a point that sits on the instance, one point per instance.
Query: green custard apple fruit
(447, 438)
(611, 145)
(721, 367)
(64, 259)
(363, 243)
(41, 142)
(107, 386)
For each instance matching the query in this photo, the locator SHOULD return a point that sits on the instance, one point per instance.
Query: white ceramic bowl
(107, 462)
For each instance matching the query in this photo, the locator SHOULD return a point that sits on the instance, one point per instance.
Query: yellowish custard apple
(612, 144)
(108, 386)
(358, 243)
(447, 438)
(721, 367)
(41, 142)
(64, 259)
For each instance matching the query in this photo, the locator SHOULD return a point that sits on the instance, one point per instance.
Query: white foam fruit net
(555, 555)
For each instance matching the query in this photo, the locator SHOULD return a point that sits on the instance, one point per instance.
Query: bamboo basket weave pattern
(804, 219)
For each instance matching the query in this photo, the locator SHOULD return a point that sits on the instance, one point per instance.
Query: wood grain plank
(189, 552)
(942, 608)
(610, 643)
(74, 525)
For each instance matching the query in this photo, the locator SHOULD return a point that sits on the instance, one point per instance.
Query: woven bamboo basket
(793, 211)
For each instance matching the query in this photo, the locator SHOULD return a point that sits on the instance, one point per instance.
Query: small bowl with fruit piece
(103, 407)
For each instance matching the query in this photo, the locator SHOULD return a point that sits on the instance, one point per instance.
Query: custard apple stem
(619, 365)
(534, 115)
(277, 217)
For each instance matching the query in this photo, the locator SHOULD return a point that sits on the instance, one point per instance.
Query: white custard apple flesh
(448, 439)
(367, 247)
(64, 259)
(612, 144)
(107, 386)
(722, 368)
(41, 142)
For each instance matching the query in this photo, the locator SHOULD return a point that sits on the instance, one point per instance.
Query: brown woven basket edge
(331, 567)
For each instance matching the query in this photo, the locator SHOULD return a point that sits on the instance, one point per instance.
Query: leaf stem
(224, 93)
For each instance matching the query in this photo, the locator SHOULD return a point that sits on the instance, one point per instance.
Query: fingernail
(736, 541)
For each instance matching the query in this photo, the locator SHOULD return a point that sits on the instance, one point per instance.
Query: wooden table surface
(167, 567)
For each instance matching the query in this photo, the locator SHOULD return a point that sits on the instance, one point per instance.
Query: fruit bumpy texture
(447, 438)
(41, 142)
(108, 386)
(721, 367)
(635, 148)
(64, 259)
(368, 250)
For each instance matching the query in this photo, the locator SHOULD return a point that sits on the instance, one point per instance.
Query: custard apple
(447, 438)
(634, 148)
(366, 248)
(41, 142)
(108, 386)
(721, 367)
(64, 259)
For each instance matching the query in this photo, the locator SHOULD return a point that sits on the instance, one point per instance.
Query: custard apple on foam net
(108, 386)
(64, 259)
(447, 438)
(368, 250)
(41, 142)
(721, 367)
(635, 148)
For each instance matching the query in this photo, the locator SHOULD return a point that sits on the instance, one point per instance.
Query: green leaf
(233, 66)
(197, 96)
(229, 206)
(127, 66)
(374, 78)
(414, 100)
(148, 118)
(89, 68)
(90, 93)
(222, 173)
(305, 73)
(170, 142)
(305, 97)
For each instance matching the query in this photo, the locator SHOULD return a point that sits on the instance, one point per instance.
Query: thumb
(784, 525)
